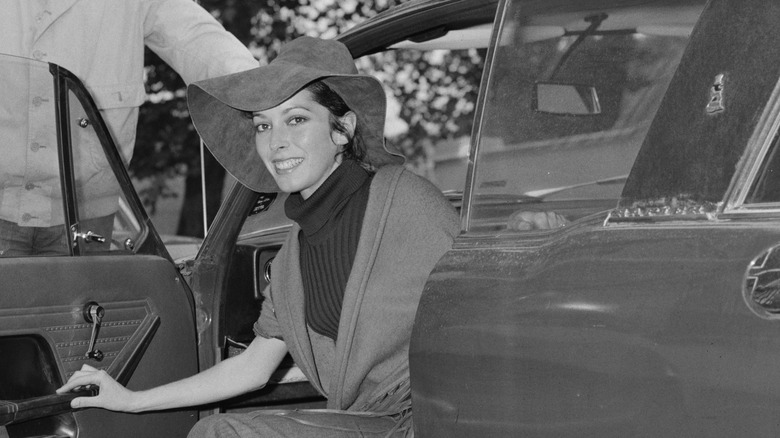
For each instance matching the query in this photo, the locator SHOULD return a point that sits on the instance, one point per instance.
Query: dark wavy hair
(355, 149)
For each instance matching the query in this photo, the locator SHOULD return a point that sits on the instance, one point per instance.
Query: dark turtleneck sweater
(330, 222)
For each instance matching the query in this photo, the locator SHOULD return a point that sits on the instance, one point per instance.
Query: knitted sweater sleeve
(267, 325)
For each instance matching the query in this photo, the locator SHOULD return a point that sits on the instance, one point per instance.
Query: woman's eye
(295, 120)
(262, 127)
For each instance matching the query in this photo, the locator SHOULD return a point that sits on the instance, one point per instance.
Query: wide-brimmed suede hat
(219, 107)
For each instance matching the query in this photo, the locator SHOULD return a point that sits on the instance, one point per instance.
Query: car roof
(428, 19)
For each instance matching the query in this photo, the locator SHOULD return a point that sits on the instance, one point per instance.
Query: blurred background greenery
(424, 103)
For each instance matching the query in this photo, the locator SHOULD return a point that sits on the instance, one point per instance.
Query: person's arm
(535, 220)
(192, 41)
(237, 375)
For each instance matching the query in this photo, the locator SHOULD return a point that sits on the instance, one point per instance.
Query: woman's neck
(328, 200)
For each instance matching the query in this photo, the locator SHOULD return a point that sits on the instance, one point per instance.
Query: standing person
(346, 284)
(102, 43)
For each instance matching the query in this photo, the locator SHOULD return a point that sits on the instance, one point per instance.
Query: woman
(346, 284)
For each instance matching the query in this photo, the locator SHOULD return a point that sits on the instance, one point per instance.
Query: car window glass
(432, 95)
(766, 187)
(102, 208)
(569, 102)
(32, 222)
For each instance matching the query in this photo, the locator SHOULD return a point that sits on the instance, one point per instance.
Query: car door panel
(147, 334)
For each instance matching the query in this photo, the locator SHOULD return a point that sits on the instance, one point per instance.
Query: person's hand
(112, 395)
(535, 220)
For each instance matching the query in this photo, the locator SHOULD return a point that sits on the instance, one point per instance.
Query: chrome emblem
(263, 203)
(762, 284)
(716, 95)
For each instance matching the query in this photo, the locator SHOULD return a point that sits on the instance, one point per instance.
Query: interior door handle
(22, 410)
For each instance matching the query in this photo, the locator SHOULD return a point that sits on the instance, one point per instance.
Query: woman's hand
(231, 377)
(112, 395)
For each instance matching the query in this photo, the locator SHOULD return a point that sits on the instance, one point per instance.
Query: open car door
(102, 289)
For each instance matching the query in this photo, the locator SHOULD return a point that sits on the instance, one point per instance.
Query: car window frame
(765, 136)
(65, 82)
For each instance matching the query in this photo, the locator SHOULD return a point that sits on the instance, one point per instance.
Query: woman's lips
(287, 165)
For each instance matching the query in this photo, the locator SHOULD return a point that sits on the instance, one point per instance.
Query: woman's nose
(279, 140)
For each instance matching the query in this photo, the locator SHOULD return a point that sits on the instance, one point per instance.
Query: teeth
(288, 164)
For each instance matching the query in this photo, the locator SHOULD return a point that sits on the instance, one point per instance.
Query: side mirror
(566, 99)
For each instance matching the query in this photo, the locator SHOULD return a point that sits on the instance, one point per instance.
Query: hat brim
(221, 112)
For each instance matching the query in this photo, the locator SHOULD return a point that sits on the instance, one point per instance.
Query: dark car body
(654, 310)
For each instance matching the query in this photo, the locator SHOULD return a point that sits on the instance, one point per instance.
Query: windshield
(569, 100)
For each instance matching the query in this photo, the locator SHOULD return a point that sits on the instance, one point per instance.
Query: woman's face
(296, 143)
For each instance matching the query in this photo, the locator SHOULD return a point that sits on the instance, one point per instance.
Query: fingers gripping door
(146, 337)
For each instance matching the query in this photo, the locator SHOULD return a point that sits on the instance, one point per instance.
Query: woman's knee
(217, 426)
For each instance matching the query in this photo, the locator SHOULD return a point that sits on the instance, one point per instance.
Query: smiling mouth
(287, 165)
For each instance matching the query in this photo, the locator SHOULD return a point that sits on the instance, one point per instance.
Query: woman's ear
(349, 122)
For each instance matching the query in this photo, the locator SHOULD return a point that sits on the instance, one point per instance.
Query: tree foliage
(432, 105)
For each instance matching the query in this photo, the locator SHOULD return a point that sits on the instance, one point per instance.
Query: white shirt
(102, 43)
